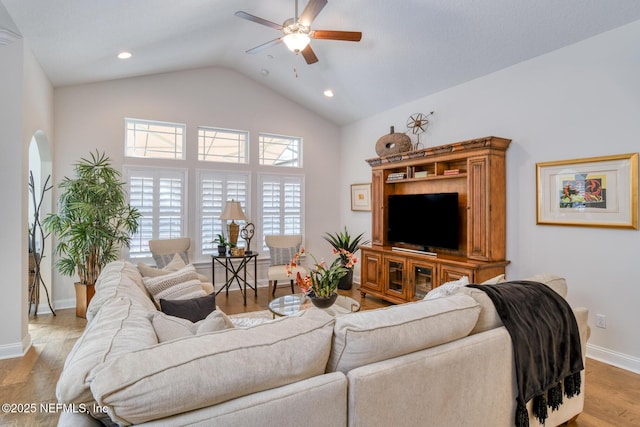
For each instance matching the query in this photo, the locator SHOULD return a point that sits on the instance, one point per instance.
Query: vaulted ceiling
(409, 48)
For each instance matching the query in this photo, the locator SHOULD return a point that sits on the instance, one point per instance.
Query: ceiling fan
(297, 32)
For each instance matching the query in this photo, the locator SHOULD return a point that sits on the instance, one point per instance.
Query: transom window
(278, 150)
(156, 140)
(222, 145)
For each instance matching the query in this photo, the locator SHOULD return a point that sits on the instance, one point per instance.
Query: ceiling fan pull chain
(295, 70)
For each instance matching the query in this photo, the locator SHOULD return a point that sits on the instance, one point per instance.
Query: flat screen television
(423, 220)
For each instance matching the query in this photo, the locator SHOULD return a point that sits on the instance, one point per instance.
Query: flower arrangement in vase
(321, 283)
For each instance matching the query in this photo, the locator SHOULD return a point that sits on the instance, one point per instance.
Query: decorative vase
(222, 250)
(322, 302)
(346, 281)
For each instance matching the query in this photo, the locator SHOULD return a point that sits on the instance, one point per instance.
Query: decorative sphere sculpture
(393, 143)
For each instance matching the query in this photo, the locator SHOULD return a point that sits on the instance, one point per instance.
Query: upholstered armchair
(281, 251)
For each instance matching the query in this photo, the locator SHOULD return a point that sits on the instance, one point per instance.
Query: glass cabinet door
(395, 277)
(422, 278)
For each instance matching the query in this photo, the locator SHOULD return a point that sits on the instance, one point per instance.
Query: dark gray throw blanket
(546, 344)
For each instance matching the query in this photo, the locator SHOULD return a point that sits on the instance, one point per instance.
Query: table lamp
(232, 211)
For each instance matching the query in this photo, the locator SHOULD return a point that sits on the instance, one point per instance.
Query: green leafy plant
(343, 241)
(322, 280)
(221, 240)
(93, 220)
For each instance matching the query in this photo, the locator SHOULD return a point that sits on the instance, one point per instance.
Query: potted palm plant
(344, 244)
(92, 223)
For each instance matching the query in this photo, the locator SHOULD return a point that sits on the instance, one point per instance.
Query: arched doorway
(40, 167)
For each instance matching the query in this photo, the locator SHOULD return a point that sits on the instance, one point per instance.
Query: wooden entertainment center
(474, 169)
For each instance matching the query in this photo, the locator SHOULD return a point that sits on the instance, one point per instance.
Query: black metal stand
(236, 272)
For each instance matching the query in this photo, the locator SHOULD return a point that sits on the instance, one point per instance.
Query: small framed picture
(590, 192)
(361, 197)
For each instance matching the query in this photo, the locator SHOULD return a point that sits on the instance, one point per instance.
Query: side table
(236, 272)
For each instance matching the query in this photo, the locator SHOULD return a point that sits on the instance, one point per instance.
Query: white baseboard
(59, 304)
(42, 309)
(620, 360)
(19, 349)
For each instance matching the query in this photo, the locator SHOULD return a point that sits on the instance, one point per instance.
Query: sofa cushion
(199, 371)
(119, 327)
(170, 327)
(489, 318)
(119, 279)
(371, 336)
(181, 284)
(194, 309)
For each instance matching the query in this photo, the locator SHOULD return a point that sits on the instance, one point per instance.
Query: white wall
(14, 338)
(579, 101)
(91, 116)
(25, 108)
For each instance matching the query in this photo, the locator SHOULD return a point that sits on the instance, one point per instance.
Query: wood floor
(612, 394)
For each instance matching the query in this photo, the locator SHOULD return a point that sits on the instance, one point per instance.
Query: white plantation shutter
(214, 190)
(160, 196)
(281, 198)
(170, 193)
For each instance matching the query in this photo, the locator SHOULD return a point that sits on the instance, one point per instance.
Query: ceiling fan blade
(312, 10)
(263, 46)
(349, 36)
(309, 55)
(250, 17)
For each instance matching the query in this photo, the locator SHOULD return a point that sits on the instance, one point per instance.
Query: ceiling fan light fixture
(296, 42)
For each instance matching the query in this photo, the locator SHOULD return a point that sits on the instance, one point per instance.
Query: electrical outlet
(601, 321)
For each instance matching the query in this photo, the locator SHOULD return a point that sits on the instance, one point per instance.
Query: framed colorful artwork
(361, 197)
(590, 192)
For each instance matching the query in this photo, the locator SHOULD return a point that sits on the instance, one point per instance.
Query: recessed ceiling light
(125, 55)
(328, 93)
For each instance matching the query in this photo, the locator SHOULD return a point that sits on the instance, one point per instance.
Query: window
(214, 189)
(160, 196)
(276, 150)
(281, 205)
(222, 145)
(158, 140)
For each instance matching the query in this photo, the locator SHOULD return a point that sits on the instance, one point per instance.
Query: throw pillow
(163, 260)
(181, 284)
(170, 327)
(194, 309)
(281, 256)
(176, 264)
(447, 289)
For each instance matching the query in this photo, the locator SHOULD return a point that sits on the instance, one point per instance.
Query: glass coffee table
(294, 303)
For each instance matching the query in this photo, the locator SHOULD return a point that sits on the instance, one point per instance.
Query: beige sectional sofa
(442, 362)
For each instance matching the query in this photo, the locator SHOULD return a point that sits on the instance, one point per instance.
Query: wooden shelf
(427, 178)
